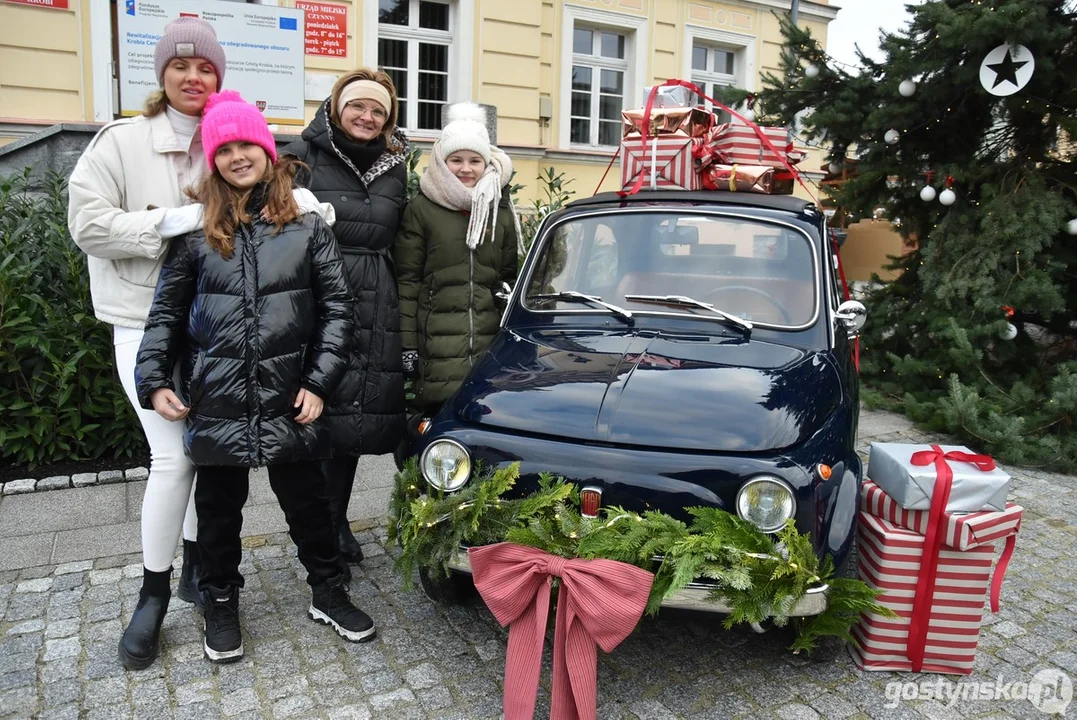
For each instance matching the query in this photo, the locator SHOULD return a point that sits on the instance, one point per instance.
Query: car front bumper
(697, 595)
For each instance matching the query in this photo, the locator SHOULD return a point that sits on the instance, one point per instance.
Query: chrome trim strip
(696, 595)
(544, 232)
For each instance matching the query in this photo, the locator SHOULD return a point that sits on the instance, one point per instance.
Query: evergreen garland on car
(761, 577)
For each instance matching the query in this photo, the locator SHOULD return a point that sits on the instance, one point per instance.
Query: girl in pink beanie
(256, 311)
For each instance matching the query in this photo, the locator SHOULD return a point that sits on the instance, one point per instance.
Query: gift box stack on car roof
(673, 143)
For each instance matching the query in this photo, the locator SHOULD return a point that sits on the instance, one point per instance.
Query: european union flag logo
(288, 24)
(129, 6)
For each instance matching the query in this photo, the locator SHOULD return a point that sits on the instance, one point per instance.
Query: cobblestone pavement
(59, 626)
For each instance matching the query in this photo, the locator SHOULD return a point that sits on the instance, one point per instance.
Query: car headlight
(766, 502)
(446, 465)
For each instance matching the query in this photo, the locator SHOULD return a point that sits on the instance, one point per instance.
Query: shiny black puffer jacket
(366, 414)
(248, 332)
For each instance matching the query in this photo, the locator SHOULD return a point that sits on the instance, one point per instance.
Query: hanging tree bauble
(811, 70)
(834, 167)
(907, 88)
(947, 197)
(892, 136)
(927, 193)
(1009, 332)
(1071, 227)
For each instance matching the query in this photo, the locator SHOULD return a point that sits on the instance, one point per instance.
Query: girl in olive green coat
(456, 246)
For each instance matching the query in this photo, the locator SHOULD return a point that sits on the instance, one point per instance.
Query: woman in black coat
(357, 159)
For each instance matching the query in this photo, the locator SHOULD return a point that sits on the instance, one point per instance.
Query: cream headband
(364, 90)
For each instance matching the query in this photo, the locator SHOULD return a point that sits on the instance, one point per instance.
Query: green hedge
(60, 397)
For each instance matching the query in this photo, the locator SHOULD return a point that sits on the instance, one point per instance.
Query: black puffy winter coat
(248, 332)
(366, 414)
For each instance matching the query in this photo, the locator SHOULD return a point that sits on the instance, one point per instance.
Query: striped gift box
(739, 145)
(891, 545)
(962, 530)
(666, 158)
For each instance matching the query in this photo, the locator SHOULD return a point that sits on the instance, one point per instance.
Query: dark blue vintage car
(672, 349)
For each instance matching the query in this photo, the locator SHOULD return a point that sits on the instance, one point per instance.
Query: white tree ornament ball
(835, 168)
(1071, 227)
(927, 193)
(907, 88)
(947, 197)
(1009, 332)
(812, 70)
(891, 136)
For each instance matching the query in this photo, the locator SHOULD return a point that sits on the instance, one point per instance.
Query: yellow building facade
(558, 71)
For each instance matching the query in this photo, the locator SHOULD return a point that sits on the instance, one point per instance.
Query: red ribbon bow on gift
(933, 541)
(600, 601)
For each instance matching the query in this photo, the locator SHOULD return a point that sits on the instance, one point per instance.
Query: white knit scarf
(482, 201)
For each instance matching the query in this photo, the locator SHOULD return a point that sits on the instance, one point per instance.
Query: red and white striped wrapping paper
(739, 145)
(961, 530)
(891, 559)
(672, 162)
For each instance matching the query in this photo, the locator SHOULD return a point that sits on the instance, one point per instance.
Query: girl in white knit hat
(456, 246)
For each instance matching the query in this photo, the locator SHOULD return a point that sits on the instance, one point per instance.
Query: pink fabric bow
(600, 601)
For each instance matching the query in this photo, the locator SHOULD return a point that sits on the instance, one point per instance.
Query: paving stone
(194, 692)
(27, 626)
(388, 701)
(65, 712)
(56, 482)
(239, 701)
(19, 487)
(295, 706)
(110, 576)
(351, 712)
(62, 628)
(108, 477)
(39, 585)
(66, 648)
(19, 678)
(108, 691)
(84, 479)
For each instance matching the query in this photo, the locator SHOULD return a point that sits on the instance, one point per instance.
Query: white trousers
(168, 505)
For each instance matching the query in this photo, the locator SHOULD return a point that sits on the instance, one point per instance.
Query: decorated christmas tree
(965, 136)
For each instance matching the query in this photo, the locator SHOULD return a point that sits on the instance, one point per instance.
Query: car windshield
(665, 262)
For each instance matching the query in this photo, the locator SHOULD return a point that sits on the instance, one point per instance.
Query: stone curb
(78, 480)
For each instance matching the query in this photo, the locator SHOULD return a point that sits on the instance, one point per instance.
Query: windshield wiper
(573, 296)
(682, 301)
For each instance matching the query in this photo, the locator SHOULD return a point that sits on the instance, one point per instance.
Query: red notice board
(52, 4)
(326, 28)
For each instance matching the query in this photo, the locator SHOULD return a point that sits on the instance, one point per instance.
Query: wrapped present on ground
(687, 121)
(670, 96)
(746, 178)
(663, 162)
(740, 145)
(907, 473)
(934, 576)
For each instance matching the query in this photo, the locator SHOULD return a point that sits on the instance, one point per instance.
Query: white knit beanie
(466, 130)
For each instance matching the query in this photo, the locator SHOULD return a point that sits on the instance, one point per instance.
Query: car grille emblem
(590, 501)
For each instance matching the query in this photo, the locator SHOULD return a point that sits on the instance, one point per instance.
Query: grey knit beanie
(189, 37)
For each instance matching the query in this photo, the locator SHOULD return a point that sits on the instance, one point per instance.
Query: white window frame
(635, 30)
(461, 53)
(743, 48)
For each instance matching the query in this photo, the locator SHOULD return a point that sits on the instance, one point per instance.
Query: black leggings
(220, 494)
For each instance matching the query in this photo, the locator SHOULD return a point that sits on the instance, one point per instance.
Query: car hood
(698, 392)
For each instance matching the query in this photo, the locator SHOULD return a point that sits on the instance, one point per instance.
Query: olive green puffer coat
(448, 312)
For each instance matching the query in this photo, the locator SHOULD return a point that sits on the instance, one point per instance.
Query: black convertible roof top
(787, 203)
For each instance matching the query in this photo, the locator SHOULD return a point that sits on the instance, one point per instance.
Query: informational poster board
(263, 45)
(327, 28)
(51, 4)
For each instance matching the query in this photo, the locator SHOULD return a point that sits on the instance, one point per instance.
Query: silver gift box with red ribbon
(910, 481)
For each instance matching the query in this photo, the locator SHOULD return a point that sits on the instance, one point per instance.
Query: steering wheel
(786, 317)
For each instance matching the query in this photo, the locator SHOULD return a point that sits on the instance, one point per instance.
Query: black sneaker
(332, 606)
(224, 641)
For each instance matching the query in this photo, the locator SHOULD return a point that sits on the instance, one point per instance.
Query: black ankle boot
(138, 646)
(189, 574)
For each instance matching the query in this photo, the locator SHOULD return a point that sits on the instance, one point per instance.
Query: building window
(599, 68)
(713, 68)
(414, 47)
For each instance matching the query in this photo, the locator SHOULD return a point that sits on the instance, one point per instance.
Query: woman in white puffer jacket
(126, 200)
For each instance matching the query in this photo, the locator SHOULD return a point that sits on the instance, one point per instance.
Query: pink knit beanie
(188, 37)
(228, 118)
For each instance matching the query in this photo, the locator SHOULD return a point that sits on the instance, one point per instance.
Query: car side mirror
(852, 314)
(505, 291)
